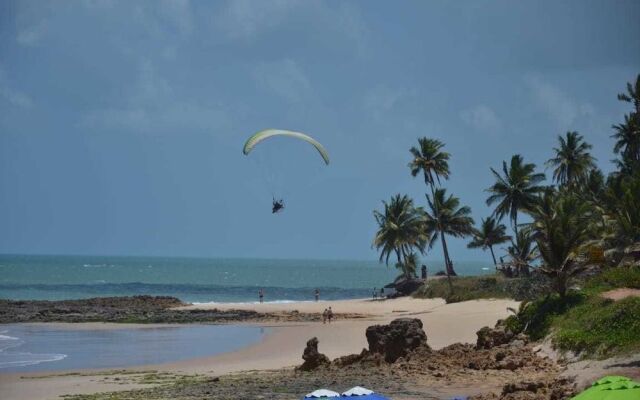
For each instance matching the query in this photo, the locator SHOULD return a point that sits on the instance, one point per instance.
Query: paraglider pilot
(278, 205)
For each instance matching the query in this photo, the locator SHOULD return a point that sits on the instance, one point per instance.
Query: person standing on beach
(317, 293)
(261, 295)
(424, 272)
(374, 295)
(330, 314)
(325, 314)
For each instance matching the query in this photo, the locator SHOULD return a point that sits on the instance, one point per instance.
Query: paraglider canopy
(267, 133)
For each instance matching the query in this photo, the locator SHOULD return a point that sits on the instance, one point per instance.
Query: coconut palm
(561, 232)
(572, 161)
(490, 234)
(429, 159)
(632, 95)
(522, 252)
(400, 230)
(515, 190)
(446, 217)
(627, 134)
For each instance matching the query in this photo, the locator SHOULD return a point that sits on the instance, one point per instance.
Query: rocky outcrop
(312, 357)
(492, 337)
(542, 389)
(397, 339)
(405, 287)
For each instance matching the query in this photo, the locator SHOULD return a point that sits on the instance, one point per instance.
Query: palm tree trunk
(494, 257)
(447, 265)
(447, 260)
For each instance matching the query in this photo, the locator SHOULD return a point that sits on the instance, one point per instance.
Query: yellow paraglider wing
(267, 133)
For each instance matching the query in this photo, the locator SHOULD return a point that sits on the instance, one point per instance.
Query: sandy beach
(282, 346)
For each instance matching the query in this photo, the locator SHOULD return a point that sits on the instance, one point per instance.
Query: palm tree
(628, 133)
(429, 159)
(572, 161)
(627, 138)
(447, 218)
(400, 230)
(490, 233)
(522, 252)
(515, 190)
(561, 232)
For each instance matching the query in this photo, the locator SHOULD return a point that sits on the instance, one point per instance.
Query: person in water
(278, 205)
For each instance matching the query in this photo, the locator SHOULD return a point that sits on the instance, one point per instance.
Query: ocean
(28, 277)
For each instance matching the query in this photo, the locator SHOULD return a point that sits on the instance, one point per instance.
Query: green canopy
(611, 388)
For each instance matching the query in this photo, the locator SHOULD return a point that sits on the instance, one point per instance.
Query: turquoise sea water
(196, 279)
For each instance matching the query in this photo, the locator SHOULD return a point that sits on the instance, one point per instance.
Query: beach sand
(282, 347)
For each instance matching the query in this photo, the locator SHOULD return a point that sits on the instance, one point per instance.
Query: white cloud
(152, 106)
(248, 19)
(560, 107)
(382, 99)
(32, 22)
(11, 95)
(284, 78)
(481, 117)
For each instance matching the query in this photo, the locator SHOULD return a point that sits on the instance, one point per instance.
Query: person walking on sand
(261, 295)
(374, 295)
(329, 314)
(317, 294)
(325, 314)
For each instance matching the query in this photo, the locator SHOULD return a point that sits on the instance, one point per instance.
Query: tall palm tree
(490, 233)
(446, 217)
(515, 190)
(627, 136)
(429, 159)
(572, 161)
(628, 133)
(401, 229)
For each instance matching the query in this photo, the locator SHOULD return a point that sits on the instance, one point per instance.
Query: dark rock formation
(139, 309)
(406, 287)
(492, 337)
(397, 339)
(312, 357)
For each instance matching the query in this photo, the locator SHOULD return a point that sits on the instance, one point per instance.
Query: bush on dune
(484, 287)
(600, 327)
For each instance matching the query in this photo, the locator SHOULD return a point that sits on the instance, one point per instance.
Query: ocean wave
(12, 360)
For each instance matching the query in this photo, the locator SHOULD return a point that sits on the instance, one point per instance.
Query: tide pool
(42, 347)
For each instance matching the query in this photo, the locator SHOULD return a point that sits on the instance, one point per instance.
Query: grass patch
(614, 278)
(484, 287)
(599, 327)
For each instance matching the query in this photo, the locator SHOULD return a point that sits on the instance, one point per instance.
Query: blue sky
(122, 123)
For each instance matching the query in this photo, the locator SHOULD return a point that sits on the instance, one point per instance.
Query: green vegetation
(580, 223)
(600, 327)
(585, 322)
(484, 287)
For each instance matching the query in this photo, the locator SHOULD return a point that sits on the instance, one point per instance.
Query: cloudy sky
(122, 122)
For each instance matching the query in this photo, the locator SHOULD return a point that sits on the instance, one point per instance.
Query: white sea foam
(16, 359)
